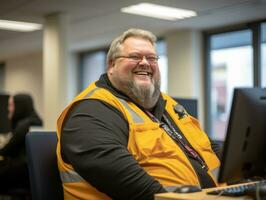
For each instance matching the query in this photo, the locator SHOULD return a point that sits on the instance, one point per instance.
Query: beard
(145, 96)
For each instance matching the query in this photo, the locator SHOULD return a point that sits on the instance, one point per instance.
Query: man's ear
(111, 65)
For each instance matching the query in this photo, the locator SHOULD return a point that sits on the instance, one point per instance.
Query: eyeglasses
(138, 58)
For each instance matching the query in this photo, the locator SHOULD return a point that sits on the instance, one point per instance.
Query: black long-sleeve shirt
(94, 140)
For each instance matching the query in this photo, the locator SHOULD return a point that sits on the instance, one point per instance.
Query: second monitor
(244, 154)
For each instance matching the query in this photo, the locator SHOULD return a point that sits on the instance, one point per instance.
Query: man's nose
(144, 61)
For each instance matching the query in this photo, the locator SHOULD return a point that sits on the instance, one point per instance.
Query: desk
(197, 196)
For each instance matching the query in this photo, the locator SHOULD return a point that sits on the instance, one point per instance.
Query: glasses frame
(152, 59)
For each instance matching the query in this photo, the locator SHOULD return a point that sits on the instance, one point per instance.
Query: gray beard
(145, 97)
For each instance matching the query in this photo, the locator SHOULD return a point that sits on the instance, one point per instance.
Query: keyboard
(239, 190)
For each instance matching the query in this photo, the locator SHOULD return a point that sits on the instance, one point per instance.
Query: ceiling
(94, 23)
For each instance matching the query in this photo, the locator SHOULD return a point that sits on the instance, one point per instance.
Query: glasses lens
(139, 58)
(152, 59)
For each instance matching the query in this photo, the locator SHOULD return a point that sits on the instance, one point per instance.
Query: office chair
(44, 175)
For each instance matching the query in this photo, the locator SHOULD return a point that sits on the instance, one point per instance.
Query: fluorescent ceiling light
(19, 26)
(158, 11)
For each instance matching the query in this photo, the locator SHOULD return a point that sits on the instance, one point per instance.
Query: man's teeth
(142, 73)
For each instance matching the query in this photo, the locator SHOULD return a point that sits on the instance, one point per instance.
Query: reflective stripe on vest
(70, 177)
(215, 172)
(91, 92)
(134, 115)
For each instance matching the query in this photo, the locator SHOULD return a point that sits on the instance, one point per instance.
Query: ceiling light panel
(19, 26)
(158, 11)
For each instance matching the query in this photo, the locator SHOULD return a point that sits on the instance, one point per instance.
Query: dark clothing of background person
(13, 169)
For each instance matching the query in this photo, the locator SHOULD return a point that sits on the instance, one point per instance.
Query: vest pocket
(148, 140)
(192, 131)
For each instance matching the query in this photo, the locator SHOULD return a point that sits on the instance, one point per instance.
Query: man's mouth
(142, 73)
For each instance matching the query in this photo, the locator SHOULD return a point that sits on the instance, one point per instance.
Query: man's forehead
(136, 38)
(136, 43)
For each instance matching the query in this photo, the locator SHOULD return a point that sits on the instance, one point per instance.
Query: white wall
(185, 70)
(24, 74)
(55, 68)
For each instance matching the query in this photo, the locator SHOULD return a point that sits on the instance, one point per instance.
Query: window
(93, 64)
(263, 55)
(161, 51)
(235, 58)
(230, 67)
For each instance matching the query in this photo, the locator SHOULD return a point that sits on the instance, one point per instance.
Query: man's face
(138, 78)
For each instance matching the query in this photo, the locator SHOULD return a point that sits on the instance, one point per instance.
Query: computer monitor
(4, 121)
(191, 105)
(244, 153)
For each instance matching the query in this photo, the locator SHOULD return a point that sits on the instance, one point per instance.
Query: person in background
(122, 138)
(13, 165)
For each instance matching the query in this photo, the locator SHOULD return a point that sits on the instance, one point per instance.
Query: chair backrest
(42, 162)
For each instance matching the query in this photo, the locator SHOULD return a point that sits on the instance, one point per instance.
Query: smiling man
(134, 70)
(121, 138)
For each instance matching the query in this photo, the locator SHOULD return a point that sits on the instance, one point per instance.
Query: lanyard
(178, 138)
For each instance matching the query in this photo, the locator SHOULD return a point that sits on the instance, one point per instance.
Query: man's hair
(116, 44)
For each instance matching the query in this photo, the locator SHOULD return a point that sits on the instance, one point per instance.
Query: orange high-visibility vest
(156, 152)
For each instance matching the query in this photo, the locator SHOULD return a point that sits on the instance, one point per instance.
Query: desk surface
(196, 196)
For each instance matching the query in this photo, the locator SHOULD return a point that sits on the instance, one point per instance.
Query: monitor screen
(191, 105)
(4, 122)
(245, 144)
